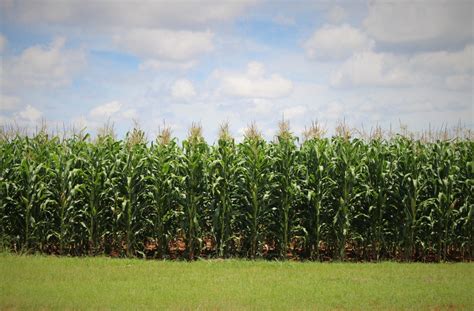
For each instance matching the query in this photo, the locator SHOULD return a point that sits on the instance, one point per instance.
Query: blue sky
(370, 63)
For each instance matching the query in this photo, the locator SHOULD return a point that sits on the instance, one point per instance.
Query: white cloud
(8, 102)
(183, 89)
(336, 15)
(255, 69)
(113, 111)
(167, 45)
(3, 42)
(442, 68)
(460, 82)
(127, 14)
(336, 42)
(130, 114)
(44, 66)
(165, 34)
(294, 111)
(30, 114)
(159, 65)
(443, 62)
(334, 111)
(370, 68)
(106, 110)
(412, 22)
(260, 106)
(254, 83)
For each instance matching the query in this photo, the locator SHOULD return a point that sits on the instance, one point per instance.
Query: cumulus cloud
(113, 111)
(336, 15)
(9, 102)
(444, 62)
(106, 110)
(336, 42)
(183, 89)
(165, 34)
(44, 66)
(172, 37)
(447, 69)
(370, 68)
(254, 83)
(163, 65)
(260, 106)
(294, 111)
(418, 21)
(130, 114)
(126, 14)
(30, 114)
(460, 82)
(334, 111)
(169, 45)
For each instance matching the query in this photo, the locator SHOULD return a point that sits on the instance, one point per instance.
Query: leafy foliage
(325, 198)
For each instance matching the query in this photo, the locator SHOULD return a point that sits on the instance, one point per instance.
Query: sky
(126, 62)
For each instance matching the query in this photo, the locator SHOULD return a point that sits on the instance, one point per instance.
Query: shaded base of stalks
(176, 250)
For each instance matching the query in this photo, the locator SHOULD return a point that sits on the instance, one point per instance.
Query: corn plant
(67, 184)
(30, 193)
(464, 217)
(101, 176)
(256, 174)
(11, 155)
(377, 190)
(226, 180)
(410, 159)
(162, 189)
(285, 188)
(194, 187)
(132, 190)
(347, 174)
(318, 188)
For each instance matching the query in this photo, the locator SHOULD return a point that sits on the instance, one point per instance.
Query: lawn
(39, 282)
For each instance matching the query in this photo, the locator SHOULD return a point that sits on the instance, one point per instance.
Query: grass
(39, 282)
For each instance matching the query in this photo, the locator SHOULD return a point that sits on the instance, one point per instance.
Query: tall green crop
(411, 167)
(102, 212)
(339, 198)
(377, 190)
(347, 164)
(286, 187)
(464, 217)
(255, 169)
(226, 180)
(319, 185)
(194, 187)
(67, 174)
(162, 190)
(132, 191)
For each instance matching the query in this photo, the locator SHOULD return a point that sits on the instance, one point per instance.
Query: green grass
(38, 282)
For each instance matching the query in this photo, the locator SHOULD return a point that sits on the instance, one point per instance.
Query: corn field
(337, 198)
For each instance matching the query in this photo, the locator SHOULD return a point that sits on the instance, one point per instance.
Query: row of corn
(322, 199)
